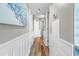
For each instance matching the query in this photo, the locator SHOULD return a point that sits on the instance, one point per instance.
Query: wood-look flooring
(39, 48)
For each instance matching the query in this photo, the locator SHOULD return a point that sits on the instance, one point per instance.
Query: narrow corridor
(36, 29)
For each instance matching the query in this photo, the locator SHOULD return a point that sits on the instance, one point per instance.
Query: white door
(37, 32)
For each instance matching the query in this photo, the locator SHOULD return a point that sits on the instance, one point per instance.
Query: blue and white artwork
(76, 25)
(76, 29)
(13, 13)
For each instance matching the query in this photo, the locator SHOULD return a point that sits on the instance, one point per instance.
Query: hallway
(36, 29)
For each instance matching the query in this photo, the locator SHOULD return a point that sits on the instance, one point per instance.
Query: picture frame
(14, 14)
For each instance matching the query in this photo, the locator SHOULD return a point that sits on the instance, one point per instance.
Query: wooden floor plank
(39, 48)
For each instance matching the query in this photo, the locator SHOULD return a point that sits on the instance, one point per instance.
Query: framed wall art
(13, 13)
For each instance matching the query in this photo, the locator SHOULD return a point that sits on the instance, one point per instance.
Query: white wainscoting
(19, 46)
(62, 48)
(57, 45)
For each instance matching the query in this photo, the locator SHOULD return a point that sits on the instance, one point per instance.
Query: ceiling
(39, 8)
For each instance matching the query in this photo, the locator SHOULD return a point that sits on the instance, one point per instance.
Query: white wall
(66, 15)
(57, 45)
(15, 40)
(8, 32)
(31, 34)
